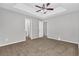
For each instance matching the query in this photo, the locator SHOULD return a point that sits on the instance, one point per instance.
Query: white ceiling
(30, 9)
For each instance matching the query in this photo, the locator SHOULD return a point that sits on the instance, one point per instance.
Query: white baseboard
(5, 44)
(63, 40)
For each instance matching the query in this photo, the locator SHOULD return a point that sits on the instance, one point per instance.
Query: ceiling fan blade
(45, 12)
(50, 9)
(38, 10)
(38, 6)
(47, 4)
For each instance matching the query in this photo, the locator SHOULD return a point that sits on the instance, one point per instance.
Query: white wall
(65, 27)
(11, 27)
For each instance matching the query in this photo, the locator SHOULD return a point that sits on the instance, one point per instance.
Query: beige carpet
(40, 47)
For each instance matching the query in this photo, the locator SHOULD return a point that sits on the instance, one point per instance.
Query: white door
(27, 27)
(40, 28)
(45, 28)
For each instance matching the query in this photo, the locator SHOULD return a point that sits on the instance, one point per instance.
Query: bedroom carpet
(40, 47)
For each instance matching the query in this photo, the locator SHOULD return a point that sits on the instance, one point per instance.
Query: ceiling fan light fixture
(44, 7)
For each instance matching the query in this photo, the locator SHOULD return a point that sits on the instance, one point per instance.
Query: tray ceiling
(30, 9)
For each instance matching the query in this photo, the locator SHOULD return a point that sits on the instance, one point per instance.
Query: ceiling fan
(44, 8)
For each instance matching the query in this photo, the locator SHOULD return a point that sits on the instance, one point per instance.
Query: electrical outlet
(59, 38)
(6, 39)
